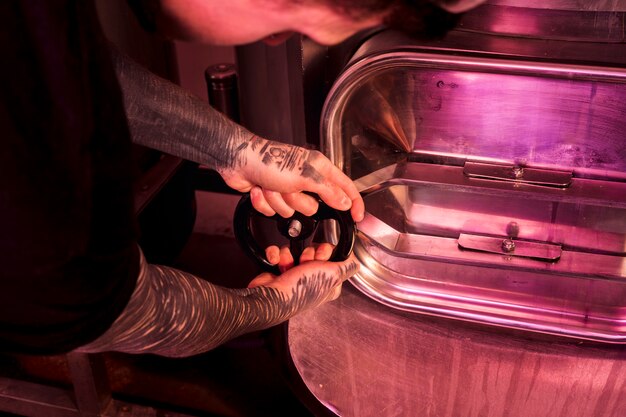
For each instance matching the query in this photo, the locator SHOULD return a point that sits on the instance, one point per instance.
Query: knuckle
(270, 195)
(285, 211)
(315, 155)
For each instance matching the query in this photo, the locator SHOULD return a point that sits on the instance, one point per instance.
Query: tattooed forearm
(172, 313)
(289, 158)
(165, 117)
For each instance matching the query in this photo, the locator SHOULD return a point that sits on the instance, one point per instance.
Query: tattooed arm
(173, 313)
(165, 117)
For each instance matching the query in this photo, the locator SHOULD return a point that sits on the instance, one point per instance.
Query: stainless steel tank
(493, 167)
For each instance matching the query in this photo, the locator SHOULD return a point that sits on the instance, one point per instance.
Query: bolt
(518, 172)
(512, 229)
(508, 245)
(295, 227)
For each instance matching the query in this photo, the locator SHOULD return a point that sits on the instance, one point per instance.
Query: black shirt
(68, 257)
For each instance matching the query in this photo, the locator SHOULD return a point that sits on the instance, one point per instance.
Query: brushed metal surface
(572, 20)
(575, 5)
(555, 116)
(361, 359)
(413, 257)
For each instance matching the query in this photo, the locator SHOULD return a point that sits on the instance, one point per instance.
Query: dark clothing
(68, 257)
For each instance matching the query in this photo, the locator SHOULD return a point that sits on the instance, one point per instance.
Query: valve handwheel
(297, 229)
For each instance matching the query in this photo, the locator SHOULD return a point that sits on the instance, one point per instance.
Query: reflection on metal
(597, 20)
(566, 273)
(361, 359)
(573, 5)
(572, 116)
(495, 188)
(518, 174)
(295, 227)
(396, 248)
(520, 293)
(506, 246)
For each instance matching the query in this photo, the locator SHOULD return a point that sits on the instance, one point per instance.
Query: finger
(259, 203)
(332, 195)
(308, 254)
(324, 252)
(278, 204)
(302, 203)
(319, 174)
(272, 254)
(338, 190)
(358, 209)
(340, 199)
(286, 259)
(347, 186)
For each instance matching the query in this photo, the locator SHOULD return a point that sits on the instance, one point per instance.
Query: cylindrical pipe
(222, 89)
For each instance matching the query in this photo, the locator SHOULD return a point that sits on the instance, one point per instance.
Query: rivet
(508, 245)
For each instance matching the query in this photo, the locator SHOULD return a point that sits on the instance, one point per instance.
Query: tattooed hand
(163, 116)
(176, 314)
(314, 281)
(276, 174)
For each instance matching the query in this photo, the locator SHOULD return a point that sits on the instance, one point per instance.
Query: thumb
(347, 268)
(263, 279)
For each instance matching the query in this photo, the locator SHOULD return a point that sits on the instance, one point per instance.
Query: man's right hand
(313, 282)
(278, 175)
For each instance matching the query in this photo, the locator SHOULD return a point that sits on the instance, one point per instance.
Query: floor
(243, 378)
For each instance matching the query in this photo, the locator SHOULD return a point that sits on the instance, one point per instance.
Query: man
(72, 274)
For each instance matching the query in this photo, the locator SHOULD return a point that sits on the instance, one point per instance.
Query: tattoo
(255, 142)
(163, 116)
(290, 158)
(309, 171)
(348, 270)
(173, 313)
(311, 290)
(284, 157)
(234, 156)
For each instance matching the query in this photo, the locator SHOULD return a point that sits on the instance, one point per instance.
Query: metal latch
(512, 247)
(519, 174)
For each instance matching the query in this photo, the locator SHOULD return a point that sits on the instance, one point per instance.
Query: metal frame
(90, 395)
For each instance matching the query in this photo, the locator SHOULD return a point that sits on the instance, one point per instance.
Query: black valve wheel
(297, 229)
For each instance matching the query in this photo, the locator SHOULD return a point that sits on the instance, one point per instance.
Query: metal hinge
(519, 174)
(511, 247)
